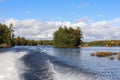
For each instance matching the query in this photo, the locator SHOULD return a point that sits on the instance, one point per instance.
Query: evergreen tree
(12, 40)
(5, 35)
(67, 37)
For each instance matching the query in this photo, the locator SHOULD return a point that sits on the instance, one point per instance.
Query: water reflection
(71, 53)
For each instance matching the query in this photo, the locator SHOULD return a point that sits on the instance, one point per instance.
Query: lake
(49, 63)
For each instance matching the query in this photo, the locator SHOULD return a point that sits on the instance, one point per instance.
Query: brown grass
(103, 54)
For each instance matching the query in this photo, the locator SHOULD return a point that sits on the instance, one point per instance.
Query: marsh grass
(118, 57)
(104, 54)
(110, 55)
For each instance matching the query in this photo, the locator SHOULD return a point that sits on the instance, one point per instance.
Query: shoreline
(5, 46)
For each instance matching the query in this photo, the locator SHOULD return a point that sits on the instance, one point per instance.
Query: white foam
(62, 74)
(10, 65)
(51, 69)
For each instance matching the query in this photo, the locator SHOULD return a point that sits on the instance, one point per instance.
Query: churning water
(10, 65)
(48, 63)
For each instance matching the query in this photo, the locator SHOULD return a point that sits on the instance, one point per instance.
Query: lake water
(49, 63)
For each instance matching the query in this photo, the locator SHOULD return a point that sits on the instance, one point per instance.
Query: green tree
(67, 37)
(12, 40)
(6, 35)
(20, 41)
(104, 43)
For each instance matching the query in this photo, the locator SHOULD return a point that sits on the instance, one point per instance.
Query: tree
(5, 35)
(20, 41)
(67, 37)
(12, 40)
(104, 43)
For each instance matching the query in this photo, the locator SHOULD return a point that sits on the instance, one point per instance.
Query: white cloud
(102, 30)
(35, 29)
(32, 28)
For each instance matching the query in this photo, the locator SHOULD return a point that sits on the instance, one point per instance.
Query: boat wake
(45, 67)
(36, 65)
(11, 66)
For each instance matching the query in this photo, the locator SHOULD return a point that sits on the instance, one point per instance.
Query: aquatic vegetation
(110, 55)
(103, 54)
(118, 57)
(92, 54)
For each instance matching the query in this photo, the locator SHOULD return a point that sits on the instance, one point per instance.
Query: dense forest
(107, 43)
(6, 35)
(67, 37)
(21, 41)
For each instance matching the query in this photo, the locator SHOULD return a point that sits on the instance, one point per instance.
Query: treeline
(108, 43)
(6, 35)
(21, 41)
(63, 37)
(7, 38)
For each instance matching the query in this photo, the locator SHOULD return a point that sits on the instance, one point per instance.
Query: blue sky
(38, 19)
(60, 9)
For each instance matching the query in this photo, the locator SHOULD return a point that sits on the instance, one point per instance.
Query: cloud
(35, 29)
(32, 28)
(102, 30)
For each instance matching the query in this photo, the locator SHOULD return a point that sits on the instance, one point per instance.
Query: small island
(111, 55)
(67, 37)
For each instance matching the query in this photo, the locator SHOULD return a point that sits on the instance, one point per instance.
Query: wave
(60, 72)
(35, 64)
(11, 66)
(45, 67)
